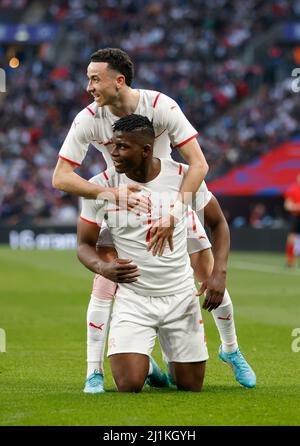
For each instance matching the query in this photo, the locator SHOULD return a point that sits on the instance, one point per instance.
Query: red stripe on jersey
(105, 175)
(194, 222)
(107, 143)
(69, 161)
(148, 235)
(148, 222)
(174, 106)
(115, 210)
(187, 140)
(89, 221)
(180, 169)
(155, 100)
(91, 111)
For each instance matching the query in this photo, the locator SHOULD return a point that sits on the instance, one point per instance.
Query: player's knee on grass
(129, 371)
(129, 386)
(202, 263)
(189, 376)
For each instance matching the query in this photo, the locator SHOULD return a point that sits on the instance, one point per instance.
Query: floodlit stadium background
(231, 67)
(228, 64)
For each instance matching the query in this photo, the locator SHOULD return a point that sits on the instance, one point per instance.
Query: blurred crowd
(253, 129)
(193, 51)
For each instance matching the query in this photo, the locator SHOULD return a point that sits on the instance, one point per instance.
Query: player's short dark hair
(134, 123)
(117, 60)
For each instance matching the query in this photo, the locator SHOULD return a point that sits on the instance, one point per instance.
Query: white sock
(98, 318)
(223, 316)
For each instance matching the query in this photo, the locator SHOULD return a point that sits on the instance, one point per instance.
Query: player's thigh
(131, 340)
(188, 376)
(202, 263)
(132, 326)
(181, 335)
(129, 370)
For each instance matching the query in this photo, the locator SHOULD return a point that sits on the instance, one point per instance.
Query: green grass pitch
(44, 295)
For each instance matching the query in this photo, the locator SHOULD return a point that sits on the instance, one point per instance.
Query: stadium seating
(239, 111)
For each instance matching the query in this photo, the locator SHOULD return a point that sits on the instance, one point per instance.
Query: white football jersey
(93, 125)
(160, 276)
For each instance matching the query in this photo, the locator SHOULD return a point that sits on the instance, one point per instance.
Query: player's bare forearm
(89, 257)
(197, 170)
(116, 270)
(220, 235)
(220, 247)
(87, 236)
(65, 179)
(74, 184)
(215, 285)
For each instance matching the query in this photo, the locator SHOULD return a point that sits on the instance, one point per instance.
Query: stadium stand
(227, 65)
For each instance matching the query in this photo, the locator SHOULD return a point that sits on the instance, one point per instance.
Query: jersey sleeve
(76, 143)
(171, 117)
(93, 211)
(203, 195)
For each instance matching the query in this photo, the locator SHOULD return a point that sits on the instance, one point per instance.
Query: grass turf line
(44, 296)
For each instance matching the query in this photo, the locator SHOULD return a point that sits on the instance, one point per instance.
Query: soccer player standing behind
(292, 205)
(110, 75)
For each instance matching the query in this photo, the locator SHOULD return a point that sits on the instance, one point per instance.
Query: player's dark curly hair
(133, 123)
(117, 60)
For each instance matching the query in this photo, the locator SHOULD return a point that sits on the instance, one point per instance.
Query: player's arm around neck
(65, 179)
(197, 170)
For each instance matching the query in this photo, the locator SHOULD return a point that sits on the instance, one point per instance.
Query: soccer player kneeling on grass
(156, 294)
(110, 75)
